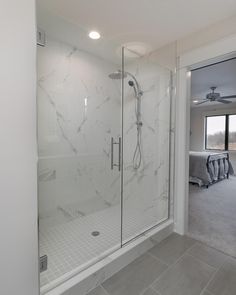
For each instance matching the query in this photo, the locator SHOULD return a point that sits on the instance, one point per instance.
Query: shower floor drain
(95, 233)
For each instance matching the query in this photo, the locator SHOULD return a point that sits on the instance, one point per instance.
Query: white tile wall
(79, 110)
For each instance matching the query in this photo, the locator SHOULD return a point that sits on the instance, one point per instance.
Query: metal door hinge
(43, 263)
(41, 37)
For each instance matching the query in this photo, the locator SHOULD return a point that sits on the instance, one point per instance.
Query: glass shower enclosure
(104, 121)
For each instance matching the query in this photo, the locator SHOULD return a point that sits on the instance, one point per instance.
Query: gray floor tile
(170, 249)
(188, 276)
(98, 291)
(135, 277)
(208, 255)
(224, 282)
(206, 293)
(150, 291)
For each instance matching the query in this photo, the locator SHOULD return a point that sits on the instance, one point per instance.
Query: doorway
(212, 155)
(209, 54)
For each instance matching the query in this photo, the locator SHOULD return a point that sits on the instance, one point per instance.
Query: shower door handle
(112, 154)
(119, 156)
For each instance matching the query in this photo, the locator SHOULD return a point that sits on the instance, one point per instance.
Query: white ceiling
(222, 75)
(154, 22)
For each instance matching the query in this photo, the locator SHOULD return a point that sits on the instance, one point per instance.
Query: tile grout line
(169, 266)
(216, 269)
(212, 278)
(212, 247)
(194, 244)
(106, 292)
(207, 292)
(196, 258)
(205, 245)
(161, 261)
(158, 293)
(158, 259)
(209, 281)
(142, 293)
(186, 252)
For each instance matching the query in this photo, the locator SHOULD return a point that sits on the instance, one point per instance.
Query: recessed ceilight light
(195, 101)
(189, 74)
(94, 35)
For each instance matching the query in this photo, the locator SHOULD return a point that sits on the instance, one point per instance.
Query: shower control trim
(112, 153)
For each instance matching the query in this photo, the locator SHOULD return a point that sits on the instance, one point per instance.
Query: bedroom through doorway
(212, 156)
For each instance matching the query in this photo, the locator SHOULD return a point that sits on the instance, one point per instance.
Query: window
(215, 133)
(232, 132)
(220, 132)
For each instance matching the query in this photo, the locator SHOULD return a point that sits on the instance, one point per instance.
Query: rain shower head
(132, 83)
(117, 75)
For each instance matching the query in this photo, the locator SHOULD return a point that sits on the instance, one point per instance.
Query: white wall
(18, 186)
(197, 117)
(215, 51)
(18, 216)
(208, 35)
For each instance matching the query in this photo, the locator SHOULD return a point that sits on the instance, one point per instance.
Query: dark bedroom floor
(212, 215)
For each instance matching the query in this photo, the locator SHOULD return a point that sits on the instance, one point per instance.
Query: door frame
(215, 52)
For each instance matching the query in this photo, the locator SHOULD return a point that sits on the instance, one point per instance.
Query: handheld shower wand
(137, 157)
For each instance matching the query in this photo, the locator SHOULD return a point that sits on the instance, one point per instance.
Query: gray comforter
(209, 167)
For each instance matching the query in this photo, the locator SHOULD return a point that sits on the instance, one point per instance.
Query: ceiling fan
(214, 96)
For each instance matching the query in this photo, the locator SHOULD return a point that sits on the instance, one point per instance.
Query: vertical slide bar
(112, 144)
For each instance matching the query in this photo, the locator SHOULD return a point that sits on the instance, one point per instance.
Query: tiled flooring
(70, 247)
(176, 266)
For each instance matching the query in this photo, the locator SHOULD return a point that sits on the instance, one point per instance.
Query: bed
(206, 168)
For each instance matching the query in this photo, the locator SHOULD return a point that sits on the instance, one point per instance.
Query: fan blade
(224, 101)
(229, 96)
(205, 100)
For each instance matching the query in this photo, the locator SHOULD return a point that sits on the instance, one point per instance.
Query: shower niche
(104, 145)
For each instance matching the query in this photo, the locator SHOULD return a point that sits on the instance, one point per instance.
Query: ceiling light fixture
(189, 73)
(195, 101)
(94, 35)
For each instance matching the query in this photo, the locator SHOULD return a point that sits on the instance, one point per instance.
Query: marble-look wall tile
(78, 113)
(146, 189)
(79, 110)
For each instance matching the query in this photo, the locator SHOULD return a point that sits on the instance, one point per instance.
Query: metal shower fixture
(137, 157)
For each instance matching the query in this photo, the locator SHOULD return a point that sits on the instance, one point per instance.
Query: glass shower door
(79, 146)
(146, 143)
